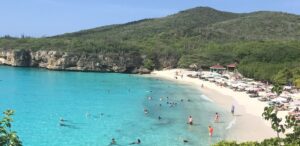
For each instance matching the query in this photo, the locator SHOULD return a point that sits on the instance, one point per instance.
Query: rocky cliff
(55, 60)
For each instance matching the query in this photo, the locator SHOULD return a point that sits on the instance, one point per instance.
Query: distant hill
(197, 25)
(201, 35)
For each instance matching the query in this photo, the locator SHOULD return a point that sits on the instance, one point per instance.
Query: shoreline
(247, 124)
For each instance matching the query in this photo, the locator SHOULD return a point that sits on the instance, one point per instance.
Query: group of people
(217, 119)
(210, 128)
(190, 119)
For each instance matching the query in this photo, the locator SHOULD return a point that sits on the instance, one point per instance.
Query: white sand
(247, 124)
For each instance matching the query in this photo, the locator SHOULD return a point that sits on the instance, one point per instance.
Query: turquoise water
(101, 106)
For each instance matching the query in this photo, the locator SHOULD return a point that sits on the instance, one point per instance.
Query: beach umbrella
(262, 94)
(234, 85)
(279, 99)
(296, 103)
(284, 94)
(287, 87)
(271, 94)
(253, 83)
(241, 87)
(214, 74)
(226, 76)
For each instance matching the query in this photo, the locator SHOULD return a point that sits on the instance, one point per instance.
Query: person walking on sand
(232, 109)
(190, 121)
(217, 117)
(210, 131)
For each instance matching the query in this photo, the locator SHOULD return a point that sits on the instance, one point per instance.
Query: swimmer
(61, 123)
(149, 98)
(113, 142)
(190, 121)
(145, 111)
(217, 117)
(159, 118)
(185, 141)
(137, 142)
(210, 131)
(87, 115)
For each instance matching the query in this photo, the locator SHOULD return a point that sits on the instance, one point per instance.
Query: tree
(148, 63)
(297, 83)
(7, 136)
(293, 123)
(271, 114)
(277, 89)
(291, 139)
(284, 76)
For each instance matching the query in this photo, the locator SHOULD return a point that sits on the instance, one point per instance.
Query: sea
(63, 108)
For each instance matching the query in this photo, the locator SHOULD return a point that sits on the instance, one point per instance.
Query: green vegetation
(291, 139)
(148, 63)
(271, 115)
(265, 44)
(277, 89)
(7, 136)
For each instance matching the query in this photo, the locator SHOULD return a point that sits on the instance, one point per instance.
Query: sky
(37, 18)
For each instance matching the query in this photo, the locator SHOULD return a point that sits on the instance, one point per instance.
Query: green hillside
(264, 43)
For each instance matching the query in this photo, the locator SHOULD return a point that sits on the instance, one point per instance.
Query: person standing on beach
(232, 109)
(210, 131)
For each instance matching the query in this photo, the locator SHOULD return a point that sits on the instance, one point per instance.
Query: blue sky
(50, 17)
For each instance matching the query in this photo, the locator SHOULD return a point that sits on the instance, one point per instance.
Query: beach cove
(97, 107)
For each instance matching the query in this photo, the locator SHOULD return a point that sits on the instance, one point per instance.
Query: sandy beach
(247, 124)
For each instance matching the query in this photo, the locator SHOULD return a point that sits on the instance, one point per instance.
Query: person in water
(159, 117)
(217, 117)
(190, 120)
(113, 142)
(210, 131)
(146, 111)
(61, 123)
(136, 142)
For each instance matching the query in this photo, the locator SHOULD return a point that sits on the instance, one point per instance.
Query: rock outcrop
(55, 60)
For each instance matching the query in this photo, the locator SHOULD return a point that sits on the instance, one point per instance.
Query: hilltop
(202, 36)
